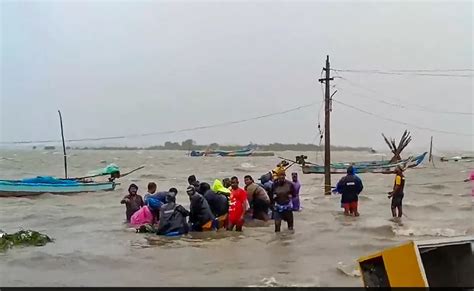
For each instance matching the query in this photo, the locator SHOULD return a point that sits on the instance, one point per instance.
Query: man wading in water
(258, 199)
(238, 205)
(397, 193)
(350, 187)
(133, 202)
(281, 194)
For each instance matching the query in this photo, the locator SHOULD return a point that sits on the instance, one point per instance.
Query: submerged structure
(446, 262)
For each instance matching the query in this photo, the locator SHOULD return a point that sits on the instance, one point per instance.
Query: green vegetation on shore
(190, 144)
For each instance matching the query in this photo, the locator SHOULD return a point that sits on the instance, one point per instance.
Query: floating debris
(23, 238)
(350, 271)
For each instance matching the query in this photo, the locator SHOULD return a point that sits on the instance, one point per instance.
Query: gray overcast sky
(117, 68)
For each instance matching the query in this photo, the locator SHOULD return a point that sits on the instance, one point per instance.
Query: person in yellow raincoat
(281, 167)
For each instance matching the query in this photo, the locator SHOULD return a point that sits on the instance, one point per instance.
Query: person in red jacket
(238, 205)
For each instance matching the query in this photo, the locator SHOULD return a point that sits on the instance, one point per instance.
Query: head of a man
(294, 177)
(248, 180)
(132, 189)
(152, 187)
(350, 170)
(280, 176)
(191, 191)
(398, 170)
(204, 187)
(234, 182)
(192, 179)
(226, 182)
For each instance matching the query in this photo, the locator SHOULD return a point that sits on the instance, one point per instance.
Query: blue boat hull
(13, 188)
(238, 153)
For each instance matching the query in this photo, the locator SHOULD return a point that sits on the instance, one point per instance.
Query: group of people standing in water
(225, 204)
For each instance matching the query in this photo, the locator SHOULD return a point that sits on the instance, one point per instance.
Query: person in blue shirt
(154, 200)
(350, 187)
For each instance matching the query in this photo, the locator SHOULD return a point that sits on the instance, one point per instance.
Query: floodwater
(93, 247)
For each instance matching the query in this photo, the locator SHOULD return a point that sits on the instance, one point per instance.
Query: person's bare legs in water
(288, 217)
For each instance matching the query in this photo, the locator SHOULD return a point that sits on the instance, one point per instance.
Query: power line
(402, 73)
(423, 109)
(435, 70)
(402, 122)
(413, 70)
(410, 108)
(170, 131)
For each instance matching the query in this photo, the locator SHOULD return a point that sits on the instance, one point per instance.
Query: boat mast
(430, 159)
(64, 145)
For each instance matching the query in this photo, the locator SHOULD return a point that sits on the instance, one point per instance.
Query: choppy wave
(272, 282)
(466, 208)
(350, 271)
(425, 231)
(58, 261)
(244, 167)
(106, 243)
(401, 230)
(152, 176)
(192, 239)
(365, 198)
(435, 186)
(247, 165)
(432, 207)
(382, 230)
(241, 170)
(8, 159)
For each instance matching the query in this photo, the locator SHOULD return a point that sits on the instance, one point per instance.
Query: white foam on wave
(272, 282)
(424, 231)
(350, 271)
(247, 165)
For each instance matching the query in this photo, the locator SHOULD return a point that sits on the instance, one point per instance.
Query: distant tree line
(189, 145)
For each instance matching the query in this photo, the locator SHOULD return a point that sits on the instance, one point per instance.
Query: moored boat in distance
(263, 154)
(457, 159)
(238, 153)
(243, 152)
(41, 185)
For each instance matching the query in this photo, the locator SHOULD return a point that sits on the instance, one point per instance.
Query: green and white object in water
(110, 169)
(23, 238)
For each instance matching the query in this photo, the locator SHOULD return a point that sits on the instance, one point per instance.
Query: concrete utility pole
(327, 128)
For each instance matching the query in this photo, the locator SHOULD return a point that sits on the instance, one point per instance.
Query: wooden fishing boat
(381, 169)
(47, 184)
(443, 262)
(27, 187)
(365, 167)
(344, 165)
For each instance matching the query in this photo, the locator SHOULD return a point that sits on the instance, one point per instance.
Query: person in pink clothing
(471, 178)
